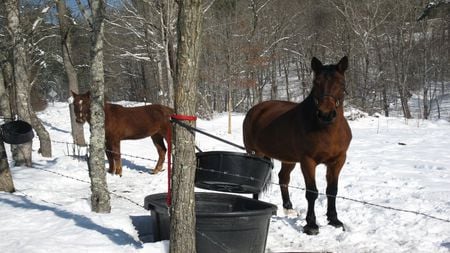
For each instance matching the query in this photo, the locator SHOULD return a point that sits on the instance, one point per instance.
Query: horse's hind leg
(158, 140)
(117, 158)
(113, 154)
(333, 171)
(109, 155)
(284, 176)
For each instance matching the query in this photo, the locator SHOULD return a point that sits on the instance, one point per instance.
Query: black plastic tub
(16, 132)
(225, 223)
(232, 172)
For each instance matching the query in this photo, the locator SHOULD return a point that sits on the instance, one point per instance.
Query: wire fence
(363, 202)
(200, 233)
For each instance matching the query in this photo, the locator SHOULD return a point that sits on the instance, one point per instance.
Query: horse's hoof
(311, 229)
(291, 213)
(287, 205)
(337, 224)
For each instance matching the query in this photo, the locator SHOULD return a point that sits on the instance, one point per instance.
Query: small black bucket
(232, 172)
(225, 223)
(16, 132)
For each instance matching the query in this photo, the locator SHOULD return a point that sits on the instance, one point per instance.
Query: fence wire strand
(363, 202)
(228, 174)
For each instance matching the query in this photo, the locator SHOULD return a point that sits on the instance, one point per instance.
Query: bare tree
(100, 199)
(182, 234)
(5, 87)
(21, 153)
(65, 24)
(6, 181)
(167, 37)
(22, 89)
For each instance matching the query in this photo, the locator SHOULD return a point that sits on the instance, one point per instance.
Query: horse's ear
(342, 65)
(316, 65)
(73, 93)
(88, 93)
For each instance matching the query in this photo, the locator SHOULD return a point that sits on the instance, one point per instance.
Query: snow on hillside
(392, 162)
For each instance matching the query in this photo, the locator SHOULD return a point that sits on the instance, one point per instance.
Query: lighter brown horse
(312, 132)
(127, 123)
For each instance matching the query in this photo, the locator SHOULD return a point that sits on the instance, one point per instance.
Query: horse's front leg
(284, 177)
(158, 140)
(333, 170)
(309, 174)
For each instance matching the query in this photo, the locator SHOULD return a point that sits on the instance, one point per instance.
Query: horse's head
(82, 107)
(328, 88)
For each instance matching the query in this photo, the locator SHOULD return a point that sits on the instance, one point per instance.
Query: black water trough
(232, 172)
(225, 223)
(16, 132)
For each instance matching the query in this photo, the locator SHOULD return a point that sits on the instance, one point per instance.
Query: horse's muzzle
(326, 117)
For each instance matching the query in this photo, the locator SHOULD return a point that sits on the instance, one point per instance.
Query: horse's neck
(308, 106)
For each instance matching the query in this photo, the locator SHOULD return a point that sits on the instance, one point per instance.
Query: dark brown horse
(127, 123)
(312, 132)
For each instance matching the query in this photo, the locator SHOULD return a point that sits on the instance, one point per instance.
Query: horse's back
(153, 112)
(260, 118)
(287, 131)
(137, 122)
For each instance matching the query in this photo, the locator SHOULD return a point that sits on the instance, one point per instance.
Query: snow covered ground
(398, 163)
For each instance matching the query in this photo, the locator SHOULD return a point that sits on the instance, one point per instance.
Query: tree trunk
(72, 78)
(21, 153)
(45, 144)
(6, 181)
(286, 76)
(274, 82)
(169, 54)
(7, 99)
(100, 199)
(182, 233)
(381, 74)
(5, 108)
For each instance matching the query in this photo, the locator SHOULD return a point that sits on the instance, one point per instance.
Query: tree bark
(273, 79)
(286, 76)
(100, 199)
(8, 98)
(6, 181)
(71, 73)
(182, 233)
(169, 49)
(45, 144)
(21, 153)
(5, 108)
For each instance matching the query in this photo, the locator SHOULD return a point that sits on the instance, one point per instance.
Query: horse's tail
(268, 182)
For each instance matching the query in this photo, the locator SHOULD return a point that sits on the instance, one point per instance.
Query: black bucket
(17, 132)
(224, 223)
(232, 172)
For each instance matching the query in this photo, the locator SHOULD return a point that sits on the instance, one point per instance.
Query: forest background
(252, 50)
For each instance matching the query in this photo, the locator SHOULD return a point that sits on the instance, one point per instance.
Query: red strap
(184, 117)
(169, 154)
